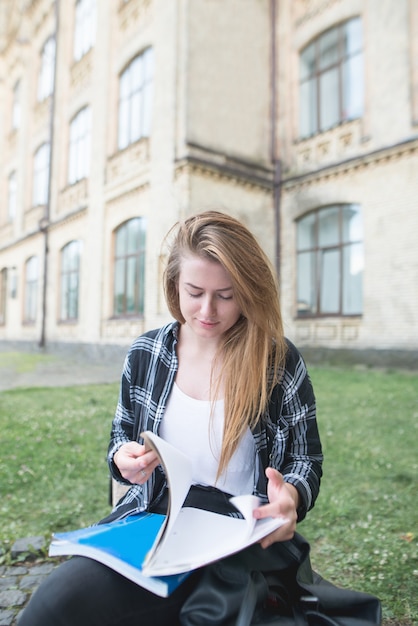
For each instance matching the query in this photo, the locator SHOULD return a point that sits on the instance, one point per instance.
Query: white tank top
(188, 425)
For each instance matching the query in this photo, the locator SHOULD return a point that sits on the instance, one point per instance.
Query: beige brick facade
(219, 68)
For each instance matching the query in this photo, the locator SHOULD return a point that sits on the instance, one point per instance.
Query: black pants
(82, 592)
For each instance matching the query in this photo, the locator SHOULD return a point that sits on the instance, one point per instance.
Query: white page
(193, 537)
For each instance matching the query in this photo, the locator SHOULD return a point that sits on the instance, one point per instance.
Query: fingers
(135, 463)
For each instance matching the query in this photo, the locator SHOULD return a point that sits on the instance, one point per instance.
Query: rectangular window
(331, 78)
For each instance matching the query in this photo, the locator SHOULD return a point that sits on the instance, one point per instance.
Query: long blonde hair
(253, 351)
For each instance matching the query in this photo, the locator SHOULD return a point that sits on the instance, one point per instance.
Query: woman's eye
(225, 297)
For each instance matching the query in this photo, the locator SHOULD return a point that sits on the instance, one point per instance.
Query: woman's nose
(208, 306)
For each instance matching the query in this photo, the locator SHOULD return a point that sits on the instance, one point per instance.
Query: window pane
(133, 229)
(70, 264)
(352, 223)
(119, 288)
(352, 36)
(328, 48)
(79, 157)
(46, 76)
(12, 197)
(121, 240)
(307, 62)
(306, 232)
(306, 290)
(332, 78)
(329, 99)
(353, 87)
(330, 281)
(129, 267)
(136, 71)
(353, 263)
(308, 108)
(135, 120)
(135, 92)
(31, 289)
(16, 109)
(41, 175)
(328, 227)
(85, 27)
(131, 281)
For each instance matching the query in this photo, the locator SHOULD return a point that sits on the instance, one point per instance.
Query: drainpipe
(44, 222)
(276, 162)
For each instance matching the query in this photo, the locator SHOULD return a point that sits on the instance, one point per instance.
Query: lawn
(363, 529)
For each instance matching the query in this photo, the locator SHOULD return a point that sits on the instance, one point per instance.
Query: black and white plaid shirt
(287, 439)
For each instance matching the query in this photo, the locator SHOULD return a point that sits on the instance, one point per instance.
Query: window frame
(135, 97)
(122, 270)
(84, 28)
(46, 78)
(16, 106)
(313, 105)
(79, 147)
(319, 256)
(70, 274)
(41, 165)
(12, 196)
(31, 289)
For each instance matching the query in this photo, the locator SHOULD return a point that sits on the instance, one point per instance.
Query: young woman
(222, 384)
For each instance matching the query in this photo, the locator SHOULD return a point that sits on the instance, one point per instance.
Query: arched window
(129, 268)
(41, 176)
(331, 78)
(330, 261)
(70, 280)
(79, 148)
(12, 197)
(85, 27)
(31, 289)
(16, 106)
(135, 96)
(46, 74)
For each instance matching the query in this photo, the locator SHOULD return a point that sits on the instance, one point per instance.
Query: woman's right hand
(135, 462)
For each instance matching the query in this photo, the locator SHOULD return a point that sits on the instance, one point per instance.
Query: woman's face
(206, 297)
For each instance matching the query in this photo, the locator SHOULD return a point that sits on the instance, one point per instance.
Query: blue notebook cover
(122, 545)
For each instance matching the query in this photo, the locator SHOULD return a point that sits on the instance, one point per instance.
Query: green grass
(53, 467)
(363, 529)
(22, 362)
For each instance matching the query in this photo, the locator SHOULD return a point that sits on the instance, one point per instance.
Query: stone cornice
(208, 162)
(385, 153)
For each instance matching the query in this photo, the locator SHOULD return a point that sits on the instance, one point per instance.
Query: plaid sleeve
(296, 450)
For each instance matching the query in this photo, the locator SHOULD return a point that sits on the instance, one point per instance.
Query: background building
(118, 118)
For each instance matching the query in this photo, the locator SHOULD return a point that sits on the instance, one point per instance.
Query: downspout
(276, 162)
(44, 222)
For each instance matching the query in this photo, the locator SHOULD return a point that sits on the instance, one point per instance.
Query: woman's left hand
(283, 502)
